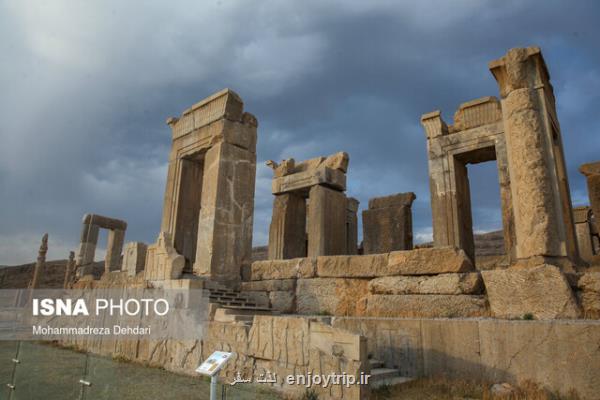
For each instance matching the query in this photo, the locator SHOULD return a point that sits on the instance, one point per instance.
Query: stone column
(87, 248)
(541, 202)
(40, 264)
(326, 222)
(287, 232)
(69, 269)
(225, 222)
(352, 226)
(114, 248)
(592, 175)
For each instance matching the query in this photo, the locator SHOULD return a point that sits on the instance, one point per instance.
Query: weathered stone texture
(539, 183)
(592, 174)
(352, 266)
(589, 294)
(428, 261)
(283, 301)
(326, 222)
(542, 291)
(330, 296)
(134, 258)
(162, 260)
(425, 306)
(287, 232)
(458, 283)
(270, 285)
(387, 224)
(283, 269)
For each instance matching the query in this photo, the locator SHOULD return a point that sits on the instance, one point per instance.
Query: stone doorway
(190, 200)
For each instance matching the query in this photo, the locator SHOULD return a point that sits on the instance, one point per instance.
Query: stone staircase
(232, 306)
(382, 376)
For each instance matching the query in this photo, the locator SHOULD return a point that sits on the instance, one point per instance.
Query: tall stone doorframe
(476, 136)
(310, 209)
(522, 133)
(209, 197)
(91, 225)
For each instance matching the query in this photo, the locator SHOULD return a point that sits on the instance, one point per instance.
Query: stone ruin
(387, 224)
(92, 223)
(310, 214)
(408, 309)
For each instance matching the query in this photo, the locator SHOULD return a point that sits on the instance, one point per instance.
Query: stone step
(383, 373)
(391, 381)
(375, 363)
(256, 309)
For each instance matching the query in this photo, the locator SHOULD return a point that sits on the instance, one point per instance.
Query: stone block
(425, 306)
(270, 285)
(283, 301)
(326, 222)
(287, 232)
(134, 257)
(451, 350)
(428, 261)
(395, 342)
(352, 266)
(302, 181)
(283, 269)
(542, 291)
(387, 229)
(459, 283)
(330, 296)
(283, 339)
(394, 200)
(557, 355)
(162, 260)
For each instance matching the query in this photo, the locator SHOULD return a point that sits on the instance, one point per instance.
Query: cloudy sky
(86, 88)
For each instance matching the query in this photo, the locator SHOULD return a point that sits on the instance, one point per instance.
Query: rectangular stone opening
(479, 206)
(188, 211)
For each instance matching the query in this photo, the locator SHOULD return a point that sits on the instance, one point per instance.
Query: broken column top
(104, 222)
(352, 204)
(394, 200)
(289, 176)
(589, 169)
(520, 68)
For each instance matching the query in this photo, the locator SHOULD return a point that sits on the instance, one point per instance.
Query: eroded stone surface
(460, 283)
(428, 261)
(542, 291)
(425, 306)
(283, 269)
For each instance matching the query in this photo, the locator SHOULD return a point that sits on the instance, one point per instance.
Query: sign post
(211, 367)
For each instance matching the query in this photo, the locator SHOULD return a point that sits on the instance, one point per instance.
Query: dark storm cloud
(87, 88)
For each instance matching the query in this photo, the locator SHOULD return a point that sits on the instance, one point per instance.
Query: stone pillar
(326, 222)
(225, 224)
(87, 245)
(582, 217)
(40, 263)
(541, 201)
(387, 224)
(352, 225)
(114, 248)
(592, 175)
(134, 258)
(287, 232)
(69, 269)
